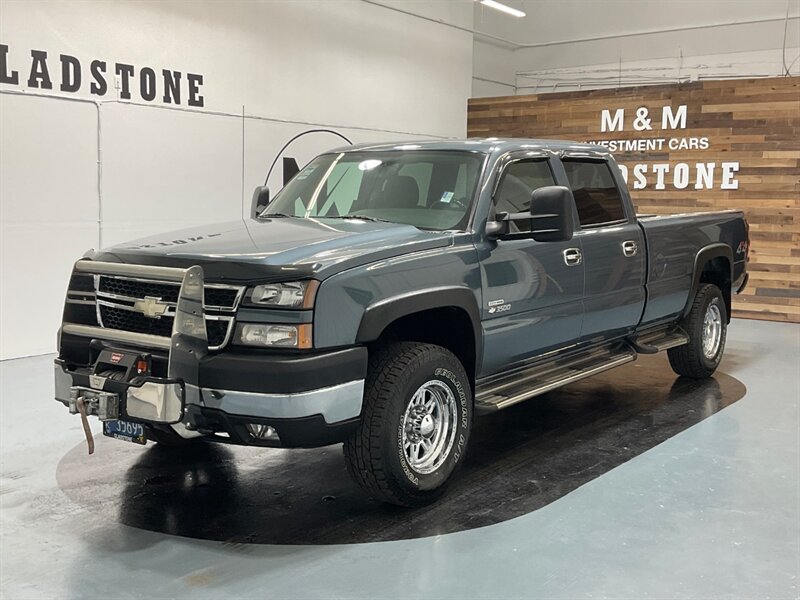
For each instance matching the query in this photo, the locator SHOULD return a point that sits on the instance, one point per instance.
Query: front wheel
(706, 325)
(415, 424)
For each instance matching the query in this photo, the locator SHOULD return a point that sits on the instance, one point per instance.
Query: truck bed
(673, 242)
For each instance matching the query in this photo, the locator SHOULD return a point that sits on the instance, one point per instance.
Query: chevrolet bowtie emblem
(151, 307)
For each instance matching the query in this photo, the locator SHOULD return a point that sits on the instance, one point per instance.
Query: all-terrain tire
(690, 360)
(376, 455)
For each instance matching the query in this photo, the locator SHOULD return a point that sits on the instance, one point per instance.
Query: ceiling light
(503, 8)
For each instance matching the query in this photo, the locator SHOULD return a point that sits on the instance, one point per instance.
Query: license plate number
(125, 430)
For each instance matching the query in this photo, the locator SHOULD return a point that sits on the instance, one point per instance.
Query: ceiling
(549, 21)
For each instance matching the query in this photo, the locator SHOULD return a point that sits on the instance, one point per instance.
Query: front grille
(137, 299)
(131, 288)
(81, 283)
(128, 320)
(225, 298)
(117, 296)
(222, 297)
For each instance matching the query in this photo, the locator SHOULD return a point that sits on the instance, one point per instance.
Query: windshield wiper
(361, 217)
(270, 215)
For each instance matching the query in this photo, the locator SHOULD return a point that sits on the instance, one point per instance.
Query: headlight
(294, 294)
(274, 336)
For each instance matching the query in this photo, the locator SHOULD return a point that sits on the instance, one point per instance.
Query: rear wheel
(706, 325)
(415, 424)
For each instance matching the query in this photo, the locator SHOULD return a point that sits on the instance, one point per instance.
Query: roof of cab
(490, 145)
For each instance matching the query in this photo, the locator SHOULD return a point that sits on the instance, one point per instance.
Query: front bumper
(310, 418)
(309, 399)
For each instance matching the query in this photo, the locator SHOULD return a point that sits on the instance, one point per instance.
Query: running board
(506, 389)
(658, 341)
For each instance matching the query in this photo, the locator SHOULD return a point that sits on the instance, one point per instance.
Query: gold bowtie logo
(151, 307)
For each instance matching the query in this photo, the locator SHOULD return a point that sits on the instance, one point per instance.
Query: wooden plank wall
(753, 122)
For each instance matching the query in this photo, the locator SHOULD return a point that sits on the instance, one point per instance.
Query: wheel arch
(712, 264)
(439, 315)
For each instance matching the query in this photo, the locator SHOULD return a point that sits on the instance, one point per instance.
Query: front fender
(356, 306)
(380, 315)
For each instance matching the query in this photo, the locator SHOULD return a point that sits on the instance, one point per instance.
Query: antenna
(299, 135)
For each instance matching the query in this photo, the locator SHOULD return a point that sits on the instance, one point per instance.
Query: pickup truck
(388, 295)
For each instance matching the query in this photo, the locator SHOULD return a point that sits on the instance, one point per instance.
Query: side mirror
(259, 201)
(551, 211)
(549, 219)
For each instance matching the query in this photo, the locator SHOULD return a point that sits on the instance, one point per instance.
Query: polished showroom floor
(635, 484)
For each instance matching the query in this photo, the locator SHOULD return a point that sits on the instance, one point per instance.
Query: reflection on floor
(519, 460)
(626, 486)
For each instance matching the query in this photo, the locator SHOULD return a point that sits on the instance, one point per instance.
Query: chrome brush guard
(152, 399)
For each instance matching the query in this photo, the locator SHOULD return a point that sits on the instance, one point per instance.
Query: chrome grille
(131, 288)
(114, 317)
(217, 297)
(119, 305)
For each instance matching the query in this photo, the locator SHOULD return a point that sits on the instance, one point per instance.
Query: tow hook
(81, 406)
(85, 402)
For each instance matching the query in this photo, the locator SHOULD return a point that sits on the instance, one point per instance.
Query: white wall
(493, 70)
(78, 171)
(567, 45)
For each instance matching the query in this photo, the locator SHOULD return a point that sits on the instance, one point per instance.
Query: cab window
(519, 180)
(597, 196)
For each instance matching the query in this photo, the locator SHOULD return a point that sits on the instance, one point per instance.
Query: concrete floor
(713, 512)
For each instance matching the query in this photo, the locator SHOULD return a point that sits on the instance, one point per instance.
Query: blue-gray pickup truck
(388, 295)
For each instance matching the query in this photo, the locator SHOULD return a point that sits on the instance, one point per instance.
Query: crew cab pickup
(386, 296)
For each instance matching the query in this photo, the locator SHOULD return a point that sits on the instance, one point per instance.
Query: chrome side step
(505, 390)
(521, 383)
(659, 340)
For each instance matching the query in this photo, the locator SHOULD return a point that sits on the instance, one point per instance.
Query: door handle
(630, 248)
(573, 257)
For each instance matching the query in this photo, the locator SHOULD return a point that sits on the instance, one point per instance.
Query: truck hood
(277, 248)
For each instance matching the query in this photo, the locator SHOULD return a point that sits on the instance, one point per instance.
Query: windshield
(427, 189)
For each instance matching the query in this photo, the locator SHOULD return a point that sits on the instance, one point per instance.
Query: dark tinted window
(596, 193)
(520, 179)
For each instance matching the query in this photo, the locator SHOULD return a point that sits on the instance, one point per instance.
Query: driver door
(532, 297)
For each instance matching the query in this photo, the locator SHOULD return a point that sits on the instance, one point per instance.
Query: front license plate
(125, 430)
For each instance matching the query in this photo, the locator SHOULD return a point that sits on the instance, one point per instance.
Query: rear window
(597, 196)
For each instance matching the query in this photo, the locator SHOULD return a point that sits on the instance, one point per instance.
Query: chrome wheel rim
(429, 426)
(712, 330)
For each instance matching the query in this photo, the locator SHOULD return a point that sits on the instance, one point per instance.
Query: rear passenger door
(612, 245)
(532, 301)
